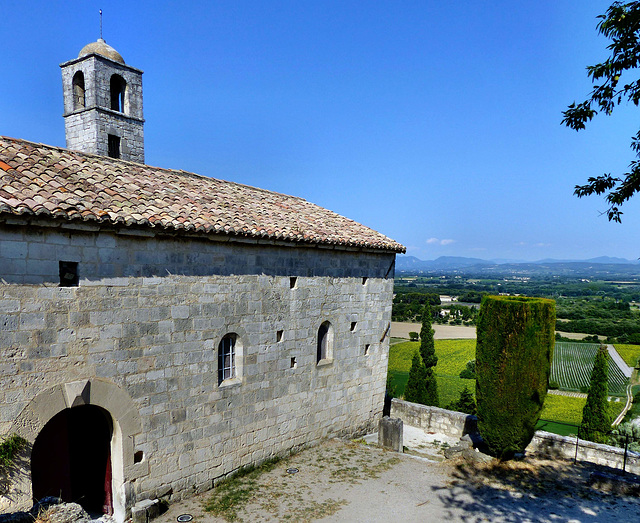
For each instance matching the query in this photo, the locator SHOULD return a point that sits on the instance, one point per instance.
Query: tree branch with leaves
(621, 24)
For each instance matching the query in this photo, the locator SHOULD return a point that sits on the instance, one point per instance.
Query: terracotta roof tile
(50, 181)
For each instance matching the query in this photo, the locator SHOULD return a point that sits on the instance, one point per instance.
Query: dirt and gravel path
(442, 332)
(613, 353)
(353, 482)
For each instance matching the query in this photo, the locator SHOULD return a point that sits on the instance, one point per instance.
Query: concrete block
(390, 433)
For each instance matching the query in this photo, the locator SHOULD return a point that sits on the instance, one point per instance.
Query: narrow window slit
(279, 336)
(113, 146)
(292, 282)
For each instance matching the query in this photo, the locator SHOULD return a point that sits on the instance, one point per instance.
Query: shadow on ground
(528, 490)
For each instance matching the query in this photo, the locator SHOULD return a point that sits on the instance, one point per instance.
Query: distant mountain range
(600, 266)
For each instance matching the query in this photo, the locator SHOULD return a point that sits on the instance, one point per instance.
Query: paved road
(626, 370)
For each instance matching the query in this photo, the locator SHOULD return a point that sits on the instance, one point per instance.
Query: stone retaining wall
(456, 424)
(554, 446)
(434, 419)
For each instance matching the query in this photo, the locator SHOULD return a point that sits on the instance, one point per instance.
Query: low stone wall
(564, 447)
(434, 419)
(544, 444)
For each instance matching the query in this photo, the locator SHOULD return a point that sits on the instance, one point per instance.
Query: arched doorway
(71, 458)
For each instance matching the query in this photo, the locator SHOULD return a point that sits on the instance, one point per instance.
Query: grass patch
(450, 387)
(629, 353)
(234, 492)
(563, 408)
(400, 355)
(555, 427)
(453, 356)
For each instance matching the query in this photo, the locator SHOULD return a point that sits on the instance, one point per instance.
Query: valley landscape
(597, 308)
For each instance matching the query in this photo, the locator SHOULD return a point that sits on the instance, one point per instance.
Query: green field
(629, 353)
(453, 356)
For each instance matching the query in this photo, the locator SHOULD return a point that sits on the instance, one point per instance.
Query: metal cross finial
(100, 24)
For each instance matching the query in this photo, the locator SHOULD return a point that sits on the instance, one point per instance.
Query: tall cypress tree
(429, 358)
(513, 361)
(596, 416)
(416, 390)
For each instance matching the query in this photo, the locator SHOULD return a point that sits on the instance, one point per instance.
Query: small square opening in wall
(366, 349)
(279, 336)
(354, 324)
(138, 456)
(292, 282)
(68, 273)
(294, 363)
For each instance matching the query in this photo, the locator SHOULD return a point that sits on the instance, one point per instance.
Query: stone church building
(160, 329)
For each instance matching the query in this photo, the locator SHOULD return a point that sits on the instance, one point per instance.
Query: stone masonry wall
(148, 316)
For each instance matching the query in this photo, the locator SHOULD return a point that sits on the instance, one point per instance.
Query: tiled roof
(47, 181)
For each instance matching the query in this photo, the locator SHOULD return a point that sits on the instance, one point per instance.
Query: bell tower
(103, 104)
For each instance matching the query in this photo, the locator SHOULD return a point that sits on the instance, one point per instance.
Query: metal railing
(613, 439)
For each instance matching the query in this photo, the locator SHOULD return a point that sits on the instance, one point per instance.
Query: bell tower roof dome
(103, 49)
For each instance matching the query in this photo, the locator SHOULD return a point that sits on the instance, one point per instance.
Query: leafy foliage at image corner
(513, 363)
(621, 24)
(596, 416)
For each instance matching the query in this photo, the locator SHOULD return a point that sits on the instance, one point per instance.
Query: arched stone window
(325, 342)
(118, 88)
(228, 358)
(78, 91)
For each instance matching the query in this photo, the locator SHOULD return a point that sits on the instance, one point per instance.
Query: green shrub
(466, 403)
(469, 372)
(515, 339)
(9, 447)
(596, 415)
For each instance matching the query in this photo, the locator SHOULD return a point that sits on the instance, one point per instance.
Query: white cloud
(437, 241)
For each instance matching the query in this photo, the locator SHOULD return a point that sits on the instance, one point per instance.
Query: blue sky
(436, 123)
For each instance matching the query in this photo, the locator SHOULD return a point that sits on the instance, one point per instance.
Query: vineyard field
(572, 365)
